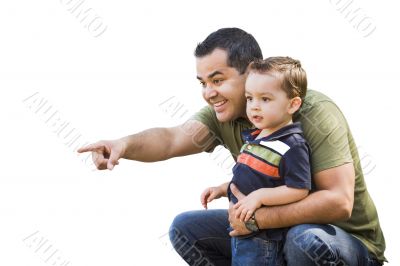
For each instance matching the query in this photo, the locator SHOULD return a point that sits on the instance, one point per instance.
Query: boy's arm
(224, 189)
(280, 195)
(212, 193)
(331, 203)
(267, 196)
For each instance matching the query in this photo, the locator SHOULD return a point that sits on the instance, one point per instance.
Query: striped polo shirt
(281, 158)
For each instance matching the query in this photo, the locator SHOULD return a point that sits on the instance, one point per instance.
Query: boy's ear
(295, 104)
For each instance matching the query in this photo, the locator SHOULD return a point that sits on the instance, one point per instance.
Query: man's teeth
(219, 103)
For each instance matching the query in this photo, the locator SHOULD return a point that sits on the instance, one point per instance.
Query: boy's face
(268, 106)
(223, 86)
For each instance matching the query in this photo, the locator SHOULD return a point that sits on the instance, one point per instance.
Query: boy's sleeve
(207, 117)
(295, 167)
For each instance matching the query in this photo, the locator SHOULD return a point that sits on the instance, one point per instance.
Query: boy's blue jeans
(256, 251)
(201, 238)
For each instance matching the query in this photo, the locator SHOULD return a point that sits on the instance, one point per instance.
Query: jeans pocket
(256, 251)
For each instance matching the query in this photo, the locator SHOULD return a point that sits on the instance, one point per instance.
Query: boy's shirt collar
(250, 134)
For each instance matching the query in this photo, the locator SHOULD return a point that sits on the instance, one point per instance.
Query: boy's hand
(248, 205)
(210, 194)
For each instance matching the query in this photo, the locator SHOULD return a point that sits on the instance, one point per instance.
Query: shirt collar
(250, 134)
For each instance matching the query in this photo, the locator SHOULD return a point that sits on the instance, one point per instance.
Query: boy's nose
(255, 106)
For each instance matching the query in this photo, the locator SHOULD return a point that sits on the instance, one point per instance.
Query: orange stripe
(256, 132)
(258, 165)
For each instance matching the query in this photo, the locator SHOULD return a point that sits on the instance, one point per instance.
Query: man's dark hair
(241, 47)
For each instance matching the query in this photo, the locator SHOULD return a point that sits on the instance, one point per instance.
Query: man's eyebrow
(214, 74)
(217, 72)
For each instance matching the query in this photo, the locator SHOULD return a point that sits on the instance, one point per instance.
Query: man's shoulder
(318, 109)
(313, 97)
(312, 100)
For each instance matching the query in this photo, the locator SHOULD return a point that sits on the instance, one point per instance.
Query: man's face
(268, 106)
(223, 86)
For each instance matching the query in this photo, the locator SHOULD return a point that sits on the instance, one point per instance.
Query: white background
(111, 86)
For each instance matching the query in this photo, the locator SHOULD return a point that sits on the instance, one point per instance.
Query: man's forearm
(150, 145)
(319, 207)
(157, 144)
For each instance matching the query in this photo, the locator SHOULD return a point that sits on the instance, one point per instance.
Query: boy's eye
(249, 98)
(265, 99)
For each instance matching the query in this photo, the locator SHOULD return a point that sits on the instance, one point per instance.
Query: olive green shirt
(332, 145)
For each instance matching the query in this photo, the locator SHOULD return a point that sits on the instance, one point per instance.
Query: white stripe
(276, 145)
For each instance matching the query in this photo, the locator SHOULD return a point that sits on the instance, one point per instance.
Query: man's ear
(295, 104)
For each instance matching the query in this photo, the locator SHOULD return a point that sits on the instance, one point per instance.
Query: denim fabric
(256, 251)
(313, 244)
(201, 238)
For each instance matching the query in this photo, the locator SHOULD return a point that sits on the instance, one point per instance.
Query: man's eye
(217, 81)
(202, 83)
(265, 99)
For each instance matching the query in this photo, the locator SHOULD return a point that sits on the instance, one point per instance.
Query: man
(337, 224)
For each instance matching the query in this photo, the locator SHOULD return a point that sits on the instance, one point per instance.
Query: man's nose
(209, 92)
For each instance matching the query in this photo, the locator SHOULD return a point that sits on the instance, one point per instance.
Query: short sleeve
(328, 135)
(295, 167)
(207, 117)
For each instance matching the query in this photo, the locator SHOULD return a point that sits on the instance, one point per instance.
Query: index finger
(90, 147)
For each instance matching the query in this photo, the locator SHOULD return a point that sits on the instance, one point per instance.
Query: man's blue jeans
(201, 238)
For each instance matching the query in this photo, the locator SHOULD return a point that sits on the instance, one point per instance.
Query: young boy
(273, 167)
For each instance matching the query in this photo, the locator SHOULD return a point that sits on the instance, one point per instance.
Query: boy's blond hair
(292, 75)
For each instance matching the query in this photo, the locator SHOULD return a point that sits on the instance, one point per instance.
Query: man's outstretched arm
(155, 144)
(332, 202)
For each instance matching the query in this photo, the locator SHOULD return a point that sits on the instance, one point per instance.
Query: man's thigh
(313, 244)
(202, 236)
